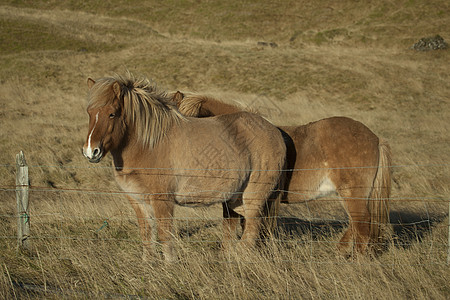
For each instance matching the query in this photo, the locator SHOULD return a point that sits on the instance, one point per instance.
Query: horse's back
(223, 152)
(244, 133)
(252, 134)
(250, 124)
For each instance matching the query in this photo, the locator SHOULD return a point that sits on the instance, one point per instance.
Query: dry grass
(341, 58)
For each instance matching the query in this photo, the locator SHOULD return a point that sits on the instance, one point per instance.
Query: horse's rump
(336, 148)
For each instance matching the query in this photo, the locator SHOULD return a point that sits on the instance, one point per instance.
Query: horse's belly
(202, 197)
(206, 188)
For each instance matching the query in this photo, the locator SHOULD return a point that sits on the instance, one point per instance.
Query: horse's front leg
(145, 229)
(163, 210)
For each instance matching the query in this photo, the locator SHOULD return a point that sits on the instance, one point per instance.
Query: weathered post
(448, 246)
(22, 184)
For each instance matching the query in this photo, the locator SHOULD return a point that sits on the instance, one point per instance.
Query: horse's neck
(128, 148)
(133, 154)
(122, 158)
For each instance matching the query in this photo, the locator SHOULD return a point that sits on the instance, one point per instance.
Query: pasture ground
(295, 62)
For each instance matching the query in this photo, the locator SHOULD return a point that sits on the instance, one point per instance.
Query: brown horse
(162, 158)
(336, 155)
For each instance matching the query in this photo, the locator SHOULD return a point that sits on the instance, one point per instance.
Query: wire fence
(77, 213)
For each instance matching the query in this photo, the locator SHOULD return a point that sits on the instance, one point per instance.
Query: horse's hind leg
(253, 204)
(358, 231)
(231, 220)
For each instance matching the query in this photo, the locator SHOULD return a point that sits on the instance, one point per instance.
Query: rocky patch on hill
(430, 43)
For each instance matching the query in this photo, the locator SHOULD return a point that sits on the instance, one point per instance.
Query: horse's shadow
(410, 227)
(296, 227)
(407, 227)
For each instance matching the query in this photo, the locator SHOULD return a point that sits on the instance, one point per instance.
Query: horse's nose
(94, 154)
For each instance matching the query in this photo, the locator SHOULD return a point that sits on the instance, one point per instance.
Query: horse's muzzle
(95, 160)
(94, 155)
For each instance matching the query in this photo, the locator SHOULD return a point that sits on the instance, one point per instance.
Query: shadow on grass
(410, 227)
(296, 227)
(407, 227)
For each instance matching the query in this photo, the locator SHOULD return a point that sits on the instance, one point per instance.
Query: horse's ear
(178, 97)
(90, 82)
(116, 89)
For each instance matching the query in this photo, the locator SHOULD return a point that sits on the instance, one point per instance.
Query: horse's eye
(112, 116)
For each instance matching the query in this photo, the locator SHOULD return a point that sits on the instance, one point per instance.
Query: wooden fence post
(22, 184)
(448, 245)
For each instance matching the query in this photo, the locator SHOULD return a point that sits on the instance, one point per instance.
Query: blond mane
(148, 110)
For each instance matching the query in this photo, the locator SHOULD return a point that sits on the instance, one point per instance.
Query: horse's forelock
(101, 93)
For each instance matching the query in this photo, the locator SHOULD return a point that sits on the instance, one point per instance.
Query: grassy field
(295, 62)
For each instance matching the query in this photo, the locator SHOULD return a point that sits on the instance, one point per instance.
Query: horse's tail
(379, 196)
